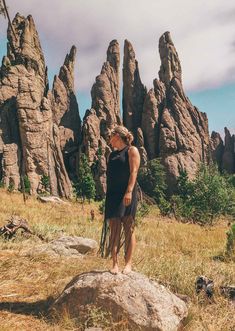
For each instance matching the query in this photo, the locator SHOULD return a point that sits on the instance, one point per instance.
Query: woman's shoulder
(133, 150)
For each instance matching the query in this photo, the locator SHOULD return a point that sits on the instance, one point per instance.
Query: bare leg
(115, 227)
(130, 242)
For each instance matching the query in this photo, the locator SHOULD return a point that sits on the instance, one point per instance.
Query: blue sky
(203, 33)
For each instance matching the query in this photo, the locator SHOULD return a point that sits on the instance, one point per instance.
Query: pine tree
(85, 186)
(152, 180)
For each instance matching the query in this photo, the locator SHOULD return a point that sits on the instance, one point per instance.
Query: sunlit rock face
(29, 135)
(104, 114)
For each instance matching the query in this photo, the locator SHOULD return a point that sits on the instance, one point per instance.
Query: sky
(203, 33)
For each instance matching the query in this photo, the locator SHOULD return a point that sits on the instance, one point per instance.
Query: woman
(121, 196)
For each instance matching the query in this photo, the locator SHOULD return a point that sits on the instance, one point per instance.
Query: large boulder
(146, 304)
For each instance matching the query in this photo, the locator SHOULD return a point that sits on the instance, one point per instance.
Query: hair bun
(124, 133)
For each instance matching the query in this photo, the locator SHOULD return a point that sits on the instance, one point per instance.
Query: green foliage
(27, 185)
(45, 182)
(1, 183)
(143, 210)
(205, 198)
(99, 152)
(152, 180)
(164, 206)
(11, 187)
(85, 186)
(102, 206)
(201, 200)
(230, 245)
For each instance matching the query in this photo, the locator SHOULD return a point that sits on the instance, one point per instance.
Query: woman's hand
(127, 198)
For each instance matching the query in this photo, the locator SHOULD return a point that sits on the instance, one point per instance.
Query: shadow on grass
(39, 309)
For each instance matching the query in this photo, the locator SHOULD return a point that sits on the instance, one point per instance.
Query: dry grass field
(168, 251)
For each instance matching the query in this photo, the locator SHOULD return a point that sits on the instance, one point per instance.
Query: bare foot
(127, 269)
(114, 270)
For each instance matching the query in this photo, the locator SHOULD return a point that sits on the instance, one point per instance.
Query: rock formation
(184, 138)
(134, 91)
(103, 115)
(28, 127)
(65, 111)
(223, 153)
(228, 159)
(144, 304)
(40, 130)
(152, 109)
(217, 149)
(168, 125)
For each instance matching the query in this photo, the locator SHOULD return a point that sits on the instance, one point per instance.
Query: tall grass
(167, 251)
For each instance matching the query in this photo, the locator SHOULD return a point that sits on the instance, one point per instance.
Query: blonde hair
(124, 134)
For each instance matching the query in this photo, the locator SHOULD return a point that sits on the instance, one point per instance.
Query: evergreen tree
(85, 186)
(152, 180)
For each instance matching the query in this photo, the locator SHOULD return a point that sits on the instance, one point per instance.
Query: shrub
(164, 206)
(45, 182)
(11, 187)
(143, 210)
(85, 186)
(102, 206)
(27, 185)
(205, 198)
(152, 180)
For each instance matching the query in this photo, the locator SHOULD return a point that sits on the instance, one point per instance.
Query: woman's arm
(134, 162)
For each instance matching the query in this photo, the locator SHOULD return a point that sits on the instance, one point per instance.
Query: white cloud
(203, 33)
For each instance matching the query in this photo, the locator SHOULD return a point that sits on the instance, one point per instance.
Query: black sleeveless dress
(118, 174)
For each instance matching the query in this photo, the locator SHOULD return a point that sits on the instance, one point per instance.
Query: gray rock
(65, 246)
(80, 244)
(146, 305)
(51, 199)
(229, 292)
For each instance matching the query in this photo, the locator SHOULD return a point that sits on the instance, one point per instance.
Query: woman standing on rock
(121, 197)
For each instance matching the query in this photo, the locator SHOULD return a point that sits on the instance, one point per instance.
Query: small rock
(205, 284)
(51, 199)
(66, 246)
(80, 244)
(228, 291)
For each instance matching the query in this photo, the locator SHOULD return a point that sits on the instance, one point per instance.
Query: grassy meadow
(170, 252)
